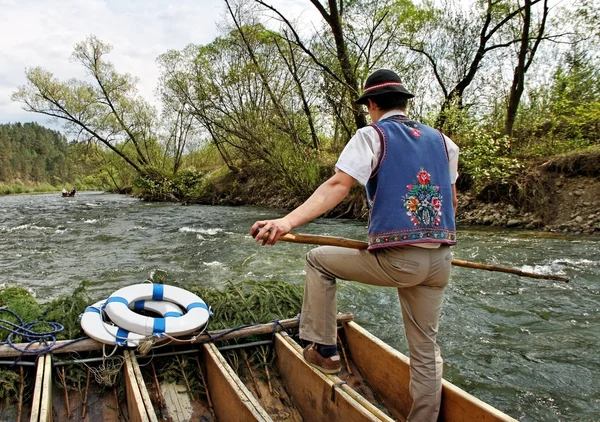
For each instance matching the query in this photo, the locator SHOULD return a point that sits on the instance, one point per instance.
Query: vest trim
(411, 236)
(382, 146)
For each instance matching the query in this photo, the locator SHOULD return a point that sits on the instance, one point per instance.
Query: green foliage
(300, 170)
(187, 185)
(576, 100)
(20, 301)
(66, 310)
(18, 187)
(12, 189)
(36, 159)
(204, 159)
(563, 116)
(9, 382)
(251, 302)
(484, 159)
(32, 153)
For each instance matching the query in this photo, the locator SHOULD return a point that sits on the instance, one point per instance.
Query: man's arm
(324, 198)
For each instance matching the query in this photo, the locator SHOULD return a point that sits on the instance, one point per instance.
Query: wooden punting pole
(314, 239)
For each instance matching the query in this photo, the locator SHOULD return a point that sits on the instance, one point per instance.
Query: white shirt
(361, 155)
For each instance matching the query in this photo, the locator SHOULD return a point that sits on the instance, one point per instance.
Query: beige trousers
(419, 274)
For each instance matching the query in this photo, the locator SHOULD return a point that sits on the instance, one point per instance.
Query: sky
(44, 32)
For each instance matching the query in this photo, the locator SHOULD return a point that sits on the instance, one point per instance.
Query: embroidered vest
(409, 192)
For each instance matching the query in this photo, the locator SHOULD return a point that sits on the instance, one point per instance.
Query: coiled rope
(31, 336)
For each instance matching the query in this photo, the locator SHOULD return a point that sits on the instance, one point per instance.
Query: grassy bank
(16, 188)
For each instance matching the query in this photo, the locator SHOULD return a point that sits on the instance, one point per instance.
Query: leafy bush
(484, 160)
(299, 171)
(187, 185)
(564, 115)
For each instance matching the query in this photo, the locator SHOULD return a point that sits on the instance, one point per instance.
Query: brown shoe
(330, 365)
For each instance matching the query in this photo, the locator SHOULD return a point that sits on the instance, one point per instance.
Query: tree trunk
(524, 60)
(334, 19)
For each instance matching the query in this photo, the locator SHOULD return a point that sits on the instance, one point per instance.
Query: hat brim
(400, 90)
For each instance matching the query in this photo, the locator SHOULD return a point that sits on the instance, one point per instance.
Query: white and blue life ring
(95, 326)
(196, 314)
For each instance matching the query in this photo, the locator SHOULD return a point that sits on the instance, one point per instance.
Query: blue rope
(28, 334)
(48, 338)
(276, 324)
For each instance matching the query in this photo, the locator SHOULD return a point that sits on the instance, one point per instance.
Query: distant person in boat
(409, 171)
(68, 193)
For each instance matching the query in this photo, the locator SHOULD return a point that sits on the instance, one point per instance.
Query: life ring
(93, 324)
(195, 317)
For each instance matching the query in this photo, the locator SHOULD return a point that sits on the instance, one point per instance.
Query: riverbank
(558, 195)
(24, 188)
(572, 206)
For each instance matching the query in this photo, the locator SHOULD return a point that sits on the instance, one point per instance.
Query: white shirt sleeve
(361, 155)
(452, 159)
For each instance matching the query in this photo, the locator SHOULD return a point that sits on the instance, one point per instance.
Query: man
(409, 171)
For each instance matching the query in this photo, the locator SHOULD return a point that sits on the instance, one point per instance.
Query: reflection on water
(527, 346)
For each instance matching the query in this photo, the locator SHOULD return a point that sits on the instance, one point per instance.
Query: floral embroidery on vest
(423, 201)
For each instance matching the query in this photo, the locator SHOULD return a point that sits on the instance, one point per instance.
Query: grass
(20, 188)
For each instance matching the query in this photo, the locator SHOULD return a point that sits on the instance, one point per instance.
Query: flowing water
(526, 346)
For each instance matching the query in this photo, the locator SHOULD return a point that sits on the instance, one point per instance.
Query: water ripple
(527, 346)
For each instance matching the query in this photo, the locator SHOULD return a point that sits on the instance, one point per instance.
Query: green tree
(240, 91)
(31, 153)
(575, 99)
(108, 110)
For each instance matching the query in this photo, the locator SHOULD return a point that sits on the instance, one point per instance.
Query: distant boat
(66, 193)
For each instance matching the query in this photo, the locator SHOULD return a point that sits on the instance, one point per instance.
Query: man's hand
(269, 231)
(328, 195)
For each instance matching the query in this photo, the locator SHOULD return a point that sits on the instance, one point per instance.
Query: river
(527, 346)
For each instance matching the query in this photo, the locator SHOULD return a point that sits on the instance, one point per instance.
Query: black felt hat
(383, 81)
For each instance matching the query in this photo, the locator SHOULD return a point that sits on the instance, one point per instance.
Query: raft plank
(142, 387)
(319, 397)
(65, 346)
(135, 403)
(37, 390)
(388, 373)
(232, 401)
(46, 392)
(177, 403)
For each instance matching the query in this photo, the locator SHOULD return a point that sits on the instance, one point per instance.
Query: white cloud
(44, 32)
